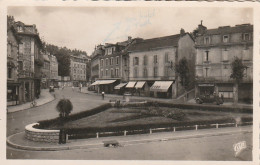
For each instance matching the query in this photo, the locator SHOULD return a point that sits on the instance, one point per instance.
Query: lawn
(149, 115)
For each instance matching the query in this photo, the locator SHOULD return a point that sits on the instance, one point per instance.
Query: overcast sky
(84, 27)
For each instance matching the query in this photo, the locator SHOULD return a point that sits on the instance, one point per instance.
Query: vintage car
(209, 98)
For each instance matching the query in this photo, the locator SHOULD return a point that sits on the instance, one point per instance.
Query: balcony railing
(222, 79)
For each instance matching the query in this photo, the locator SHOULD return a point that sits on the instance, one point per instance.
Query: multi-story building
(53, 70)
(114, 65)
(46, 71)
(12, 64)
(152, 61)
(98, 52)
(78, 69)
(30, 61)
(216, 50)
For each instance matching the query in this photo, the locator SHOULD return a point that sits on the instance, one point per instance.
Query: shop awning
(139, 84)
(120, 85)
(131, 84)
(161, 86)
(102, 82)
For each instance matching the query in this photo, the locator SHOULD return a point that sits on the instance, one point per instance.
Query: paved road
(207, 148)
(18, 120)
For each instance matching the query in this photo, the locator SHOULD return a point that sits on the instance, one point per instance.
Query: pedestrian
(103, 95)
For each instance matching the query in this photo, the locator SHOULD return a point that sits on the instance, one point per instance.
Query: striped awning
(139, 84)
(161, 86)
(131, 84)
(120, 85)
(102, 82)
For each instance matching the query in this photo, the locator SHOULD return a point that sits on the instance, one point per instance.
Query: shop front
(12, 93)
(162, 89)
(119, 89)
(142, 89)
(206, 89)
(226, 90)
(106, 86)
(130, 87)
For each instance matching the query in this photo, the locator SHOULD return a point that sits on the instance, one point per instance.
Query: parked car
(209, 98)
(51, 89)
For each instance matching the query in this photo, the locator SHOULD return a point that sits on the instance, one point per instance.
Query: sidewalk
(19, 141)
(192, 101)
(45, 97)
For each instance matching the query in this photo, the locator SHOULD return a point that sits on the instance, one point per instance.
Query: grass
(135, 115)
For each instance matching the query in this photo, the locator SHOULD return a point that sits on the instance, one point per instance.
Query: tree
(182, 69)
(237, 73)
(64, 107)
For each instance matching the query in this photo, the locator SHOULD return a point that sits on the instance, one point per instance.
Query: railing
(154, 130)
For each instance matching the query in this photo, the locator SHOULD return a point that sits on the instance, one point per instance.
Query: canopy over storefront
(119, 86)
(161, 86)
(139, 84)
(131, 84)
(103, 82)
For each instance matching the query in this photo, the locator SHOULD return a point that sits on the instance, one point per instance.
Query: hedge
(44, 124)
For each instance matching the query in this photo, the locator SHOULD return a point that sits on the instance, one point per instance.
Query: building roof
(227, 29)
(153, 43)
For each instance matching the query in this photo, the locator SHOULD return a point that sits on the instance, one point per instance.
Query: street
(218, 147)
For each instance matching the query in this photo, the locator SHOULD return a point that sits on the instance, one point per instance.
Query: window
(9, 72)
(135, 72)
(155, 60)
(206, 40)
(74, 70)
(9, 48)
(166, 58)
(246, 54)
(206, 72)
(206, 56)
(117, 60)
(155, 71)
(106, 61)
(101, 72)
(136, 61)
(20, 65)
(102, 62)
(20, 29)
(225, 38)
(166, 71)
(145, 60)
(106, 72)
(145, 73)
(111, 61)
(246, 36)
(224, 55)
(112, 72)
(116, 72)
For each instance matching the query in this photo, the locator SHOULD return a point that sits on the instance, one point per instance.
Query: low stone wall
(41, 135)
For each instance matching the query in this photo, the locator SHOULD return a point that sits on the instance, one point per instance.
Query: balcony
(219, 79)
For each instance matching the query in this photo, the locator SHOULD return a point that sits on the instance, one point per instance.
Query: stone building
(152, 61)
(78, 69)
(216, 49)
(12, 64)
(30, 61)
(53, 70)
(46, 71)
(97, 53)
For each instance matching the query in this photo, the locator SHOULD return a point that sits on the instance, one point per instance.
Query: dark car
(51, 89)
(209, 99)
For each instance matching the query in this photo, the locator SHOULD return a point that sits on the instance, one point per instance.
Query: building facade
(46, 71)
(78, 70)
(30, 62)
(12, 64)
(216, 50)
(53, 70)
(152, 61)
(95, 57)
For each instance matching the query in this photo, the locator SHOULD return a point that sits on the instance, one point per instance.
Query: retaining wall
(41, 135)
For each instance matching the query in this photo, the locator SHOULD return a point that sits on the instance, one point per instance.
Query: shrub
(64, 107)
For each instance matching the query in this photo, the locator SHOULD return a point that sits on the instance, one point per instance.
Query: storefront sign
(206, 85)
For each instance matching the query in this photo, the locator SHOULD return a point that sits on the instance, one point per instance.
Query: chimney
(182, 32)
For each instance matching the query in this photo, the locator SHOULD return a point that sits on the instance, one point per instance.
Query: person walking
(103, 95)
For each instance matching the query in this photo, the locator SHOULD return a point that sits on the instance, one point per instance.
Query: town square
(137, 83)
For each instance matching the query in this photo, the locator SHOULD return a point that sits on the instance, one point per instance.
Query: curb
(130, 142)
(54, 98)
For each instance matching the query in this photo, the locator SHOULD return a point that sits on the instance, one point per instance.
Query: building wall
(78, 69)
(94, 68)
(113, 69)
(161, 64)
(53, 67)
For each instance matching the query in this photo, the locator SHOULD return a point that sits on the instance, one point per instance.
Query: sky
(84, 27)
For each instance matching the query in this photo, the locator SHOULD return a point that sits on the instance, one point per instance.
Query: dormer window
(206, 40)
(20, 29)
(225, 38)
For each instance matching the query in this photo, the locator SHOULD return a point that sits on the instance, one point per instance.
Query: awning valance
(139, 84)
(120, 85)
(102, 82)
(161, 86)
(131, 84)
